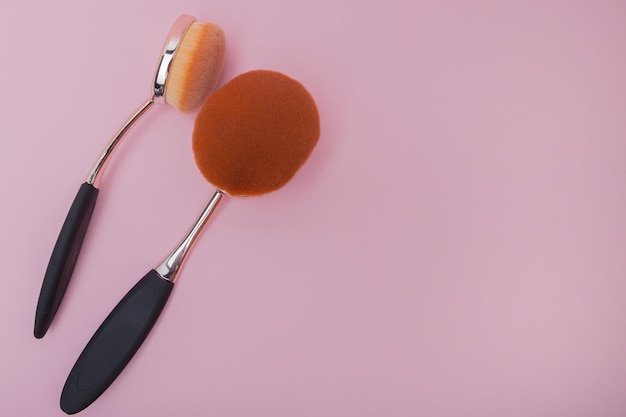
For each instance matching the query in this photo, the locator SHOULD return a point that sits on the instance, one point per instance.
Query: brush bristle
(196, 67)
(253, 134)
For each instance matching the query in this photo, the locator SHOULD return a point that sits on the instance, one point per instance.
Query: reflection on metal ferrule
(174, 38)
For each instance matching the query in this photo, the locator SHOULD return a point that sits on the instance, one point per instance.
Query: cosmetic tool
(188, 70)
(250, 138)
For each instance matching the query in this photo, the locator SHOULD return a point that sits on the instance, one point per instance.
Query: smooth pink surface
(455, 246)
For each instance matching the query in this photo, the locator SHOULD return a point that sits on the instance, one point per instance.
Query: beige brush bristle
(196, 67)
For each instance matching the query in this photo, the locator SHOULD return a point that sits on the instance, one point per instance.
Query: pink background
(454, 246)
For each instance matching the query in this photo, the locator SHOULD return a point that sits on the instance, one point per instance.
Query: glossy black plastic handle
(115, 342)
(64, 256)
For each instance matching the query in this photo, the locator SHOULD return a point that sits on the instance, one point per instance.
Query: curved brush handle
(63, 258)
(70, 239)
(115, 342)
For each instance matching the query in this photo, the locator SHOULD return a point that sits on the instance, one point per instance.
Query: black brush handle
(115, 342)
(63, 258)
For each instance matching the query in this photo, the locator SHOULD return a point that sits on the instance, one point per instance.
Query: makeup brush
(250, 138)
(188, 70)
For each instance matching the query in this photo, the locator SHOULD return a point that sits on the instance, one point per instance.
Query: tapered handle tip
(63, 258)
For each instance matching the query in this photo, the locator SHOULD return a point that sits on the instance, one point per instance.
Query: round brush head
(196, 67)
(255, 132)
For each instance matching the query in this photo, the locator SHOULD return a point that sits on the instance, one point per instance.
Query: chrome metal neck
(173, 41)
(95, 174)
(170, 267)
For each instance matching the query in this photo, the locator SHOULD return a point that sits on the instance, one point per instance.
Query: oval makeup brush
(250, 138)
(188, 70)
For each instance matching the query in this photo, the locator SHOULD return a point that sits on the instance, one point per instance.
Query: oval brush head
(255, 132)
(196, 67)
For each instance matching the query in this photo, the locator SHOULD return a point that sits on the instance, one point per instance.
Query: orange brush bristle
(255, 132)
(196, 67)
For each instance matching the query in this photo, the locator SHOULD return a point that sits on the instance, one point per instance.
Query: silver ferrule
(169, 268)
(174, 38)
